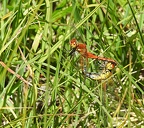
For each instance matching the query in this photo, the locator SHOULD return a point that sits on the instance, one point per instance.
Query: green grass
(47, 88)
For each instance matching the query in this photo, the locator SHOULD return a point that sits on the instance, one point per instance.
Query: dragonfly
(81, 48)
(104, 74)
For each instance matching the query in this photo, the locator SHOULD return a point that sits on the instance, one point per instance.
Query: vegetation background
(41, 86)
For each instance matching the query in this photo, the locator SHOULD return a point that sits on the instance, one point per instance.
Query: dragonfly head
(73, 43)
(110, 66)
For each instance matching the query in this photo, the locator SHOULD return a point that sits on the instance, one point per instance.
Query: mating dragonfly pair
(84, 54)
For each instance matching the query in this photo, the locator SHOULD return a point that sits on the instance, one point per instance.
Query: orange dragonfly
(81, 48)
